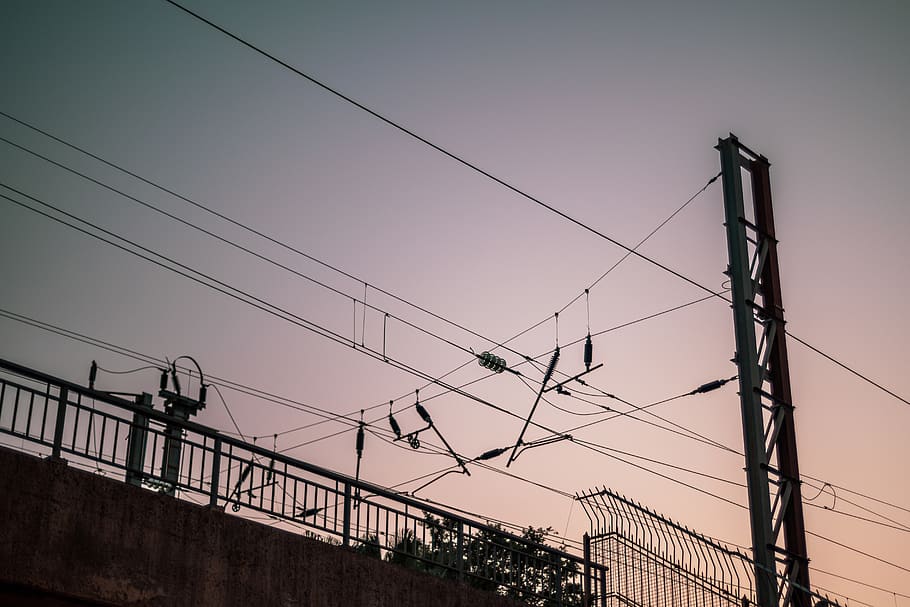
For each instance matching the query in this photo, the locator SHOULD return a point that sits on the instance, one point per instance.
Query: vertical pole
(62, 399)
(750, 381)
(587, 575)
(794, 527)
(138, 439)
(216, 474)
(459, 550)
(346, 523)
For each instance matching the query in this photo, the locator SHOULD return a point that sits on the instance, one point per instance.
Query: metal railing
(120, 437)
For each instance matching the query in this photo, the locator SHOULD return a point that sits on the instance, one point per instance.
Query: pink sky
(609, 113)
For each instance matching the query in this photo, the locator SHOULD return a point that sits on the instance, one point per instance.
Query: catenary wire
(285, 267)
(501, 181)
(190, 201)
(441, 149)
(233, 244)
(16, 202)
(256, 302)
(144, 358)
(306, 324)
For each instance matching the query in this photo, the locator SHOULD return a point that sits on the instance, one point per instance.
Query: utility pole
(775, 501)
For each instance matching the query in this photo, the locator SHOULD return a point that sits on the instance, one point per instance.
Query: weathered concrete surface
(69, 537)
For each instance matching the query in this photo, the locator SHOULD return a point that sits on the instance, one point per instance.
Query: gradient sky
(609, 111)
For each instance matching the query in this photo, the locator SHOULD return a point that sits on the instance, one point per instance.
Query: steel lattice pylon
(772, 469)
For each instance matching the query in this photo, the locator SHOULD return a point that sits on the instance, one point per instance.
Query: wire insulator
(708, 387)
(174, 377)
(423, 413)
(552, 367)
(395, 427)
(360, 441)
(203, 390)
(162, 384)
(92, 374)
(589, 352)
(492, 453)
(492, 362)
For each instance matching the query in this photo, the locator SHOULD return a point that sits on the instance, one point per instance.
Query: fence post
(62, 399)
(346, 523)
(556, 569)
(216, 474)
(587, 575)
(459, 550)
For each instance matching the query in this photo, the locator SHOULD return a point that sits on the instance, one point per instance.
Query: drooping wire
(129, 371)
(228, 409)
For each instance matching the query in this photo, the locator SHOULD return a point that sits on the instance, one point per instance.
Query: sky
(608, 111)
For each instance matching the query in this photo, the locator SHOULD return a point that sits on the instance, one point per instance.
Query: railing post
(587, 574)
(346, 523)
(216, 473)
(62, 398)
(556, 569)
(459, 550)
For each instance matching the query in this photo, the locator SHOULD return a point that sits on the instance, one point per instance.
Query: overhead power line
(233, 244)
(498, 180)
(304, 323)
(858, 551)
(264, 258)
(441, 149)
(849, 369)
(305, 255)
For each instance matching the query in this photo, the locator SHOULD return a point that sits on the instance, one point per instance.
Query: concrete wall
(69, 537)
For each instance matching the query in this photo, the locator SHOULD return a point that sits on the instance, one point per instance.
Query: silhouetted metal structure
(653, 561)
(648, 560)
(775, 502)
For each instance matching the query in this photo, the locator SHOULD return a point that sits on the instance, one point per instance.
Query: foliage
(520, 568)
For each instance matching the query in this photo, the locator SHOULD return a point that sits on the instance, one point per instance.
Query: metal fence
(149, 448)
(654, 561)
